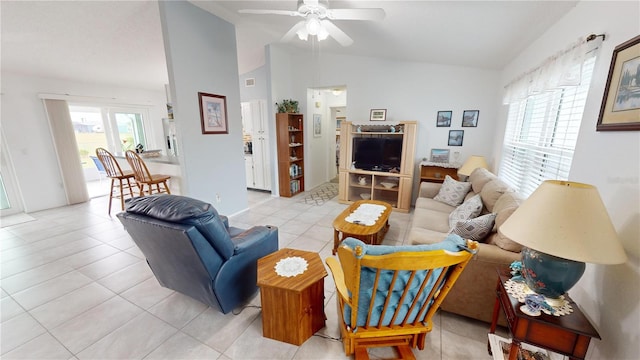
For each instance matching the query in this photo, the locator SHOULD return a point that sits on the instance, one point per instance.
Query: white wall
(259, 90)
(609, 295)
(408, 90)
(202, 57)
(26, 130)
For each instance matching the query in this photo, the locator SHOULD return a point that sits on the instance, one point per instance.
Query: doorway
(328, 104)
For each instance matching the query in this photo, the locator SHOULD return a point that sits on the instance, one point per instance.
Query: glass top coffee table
(369, 234)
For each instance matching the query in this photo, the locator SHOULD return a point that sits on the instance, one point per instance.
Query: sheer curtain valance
(560, 70)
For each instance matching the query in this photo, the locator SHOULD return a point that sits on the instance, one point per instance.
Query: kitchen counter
(163, 164)
(162, 159)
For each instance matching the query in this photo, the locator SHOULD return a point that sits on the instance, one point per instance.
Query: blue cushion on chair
(453, 243)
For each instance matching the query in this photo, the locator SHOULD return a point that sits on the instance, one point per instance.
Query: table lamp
(562, 225)
(472, 163)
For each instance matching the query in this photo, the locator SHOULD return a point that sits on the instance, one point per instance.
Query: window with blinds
(541, 134)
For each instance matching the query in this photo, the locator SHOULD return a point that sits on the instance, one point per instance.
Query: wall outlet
(218, 199)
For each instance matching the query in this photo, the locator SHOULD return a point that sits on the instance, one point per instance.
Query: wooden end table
(568, 335)
(292, 307)
(372, 235)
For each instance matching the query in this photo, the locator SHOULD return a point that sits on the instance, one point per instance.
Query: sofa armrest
(495, 255)
(429, 189)
(253, 237)
(474, 294)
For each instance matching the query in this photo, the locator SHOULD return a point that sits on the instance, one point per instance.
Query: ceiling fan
(317, 16)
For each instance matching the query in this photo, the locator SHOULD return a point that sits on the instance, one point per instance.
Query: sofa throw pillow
(475, 229)
(469, 209)
(452, 191)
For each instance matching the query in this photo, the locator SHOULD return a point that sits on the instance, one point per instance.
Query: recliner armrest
(252, 237)
(225, 221)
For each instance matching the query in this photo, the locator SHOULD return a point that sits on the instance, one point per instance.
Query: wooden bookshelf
(290, 143)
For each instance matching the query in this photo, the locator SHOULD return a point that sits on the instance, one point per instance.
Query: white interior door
(260, 142)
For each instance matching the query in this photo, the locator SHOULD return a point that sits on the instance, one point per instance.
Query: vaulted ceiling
(120, 42)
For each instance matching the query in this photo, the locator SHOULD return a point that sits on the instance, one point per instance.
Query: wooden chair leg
(111, 195)
(130, 188)
(166, 187)
(361, 353)
(121, 196)
(405, 352)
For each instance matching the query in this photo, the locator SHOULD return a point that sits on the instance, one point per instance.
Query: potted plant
(288, 106)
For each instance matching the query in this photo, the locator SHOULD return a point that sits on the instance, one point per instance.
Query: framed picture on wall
(439, 155)
(213, 113)
(378, 115)
(470, 118)
(444, 119)
(317, 125)
(620, 109)
(456, 137)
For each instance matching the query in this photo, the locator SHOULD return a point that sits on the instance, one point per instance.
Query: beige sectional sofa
(473, 295)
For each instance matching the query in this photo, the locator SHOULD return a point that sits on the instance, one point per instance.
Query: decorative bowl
(365, 196)
(388, 185)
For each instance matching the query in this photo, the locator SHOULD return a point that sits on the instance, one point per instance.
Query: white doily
(517, 291)
(366, 214)
(291, 266)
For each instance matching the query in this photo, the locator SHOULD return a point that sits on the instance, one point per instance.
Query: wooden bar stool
(144, 177)
(120, 180)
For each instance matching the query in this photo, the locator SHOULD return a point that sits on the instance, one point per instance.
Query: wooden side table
(292, 307)
(568, 335)
(436, 174)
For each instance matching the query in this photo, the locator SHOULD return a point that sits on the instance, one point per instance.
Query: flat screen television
(377, 154)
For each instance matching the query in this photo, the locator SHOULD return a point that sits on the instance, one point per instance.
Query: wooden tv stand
(392, 187)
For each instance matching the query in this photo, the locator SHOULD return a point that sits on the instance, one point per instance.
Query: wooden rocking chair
(409, 282)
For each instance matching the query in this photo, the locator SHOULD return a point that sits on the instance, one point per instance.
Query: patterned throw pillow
(475, 229)
(452, 191)
(468, 210)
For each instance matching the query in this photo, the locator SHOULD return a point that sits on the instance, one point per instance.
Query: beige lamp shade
(567, 220)
(471, 164)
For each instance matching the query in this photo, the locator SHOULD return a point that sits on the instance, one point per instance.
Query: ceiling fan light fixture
(313, 25)
(322, 33)
(302, 34)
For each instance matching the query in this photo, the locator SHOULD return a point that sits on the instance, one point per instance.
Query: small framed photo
(456, 137)
(444, 119)
(378, 115)
(440, 155)
(470, 118)
(317, 125)
(213, 113)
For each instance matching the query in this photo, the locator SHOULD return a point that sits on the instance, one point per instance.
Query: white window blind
(541, 134)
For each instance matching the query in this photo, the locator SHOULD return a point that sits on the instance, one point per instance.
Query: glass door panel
(130, 130)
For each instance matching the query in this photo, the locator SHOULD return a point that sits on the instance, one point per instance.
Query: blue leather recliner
(192, 250)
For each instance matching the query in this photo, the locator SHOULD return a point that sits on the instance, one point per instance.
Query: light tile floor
(75, 286)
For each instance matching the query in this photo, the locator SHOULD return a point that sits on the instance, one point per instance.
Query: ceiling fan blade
(270, 12)
(292, 32)
(356, 14)
(335, 32)
(310, 2)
